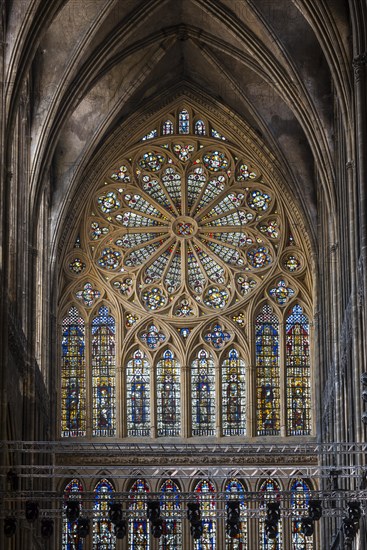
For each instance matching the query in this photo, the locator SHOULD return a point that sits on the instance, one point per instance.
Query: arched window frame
(103, 532)
(71, 540)
(138, 525)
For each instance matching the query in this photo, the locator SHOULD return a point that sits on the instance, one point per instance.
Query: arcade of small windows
(186, 288)
(173, 501)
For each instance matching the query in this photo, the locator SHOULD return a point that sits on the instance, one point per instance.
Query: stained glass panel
(167, 128)
(206, 497)
(73, 406)
(233, 395)
(103, 374)
(138, 395)
(138, 524)
(298, 373)
(203, 394)
(170, 507)
(183, 122)
(103, 536)
(267, 373)
(168, 395)
(200, 128)
(270, 490)
(300, 497)
(235, 490)
(70, 537)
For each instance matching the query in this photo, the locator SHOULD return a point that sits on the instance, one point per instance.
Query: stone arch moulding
(183, 234)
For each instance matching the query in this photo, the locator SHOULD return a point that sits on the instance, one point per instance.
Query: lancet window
(138, 523)
(193, 295)
(70, 536)
(171, 509)
(103, 537)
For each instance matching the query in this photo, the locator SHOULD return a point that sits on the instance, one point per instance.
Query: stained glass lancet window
(138, 523)
(73, 405)
(300, 497)
(235, 490)
(70, 536)
(167, 127)
(103, 537)
(203, 394)
(233, 394)
(270, 490)
(205, 492)
(168, 395)
(200, 128)
(138, 395)
(298, 373)
(267, 373)
(183, 122)
(103, 374)
(170, 506)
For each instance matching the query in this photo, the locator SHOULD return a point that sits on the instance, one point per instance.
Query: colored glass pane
(108, 203)
(258, 200)
(103, 374)
(200, 128)
(215, 161)
(300, 497)
(168, 395)
(167, 128)
(233, 394)
(218, 135)
(217, 337)
(150, 135)
(183, 152)
(298, 373)
(267, 373)
(205, 492)
(138, 395)
(171, 511)
(235, 490)
(70, 537)
(203, 394)
(138, 524)
(183, 122)
(152, 337)
(281, 293)
(270, 491)
(103, 536)
(73, 413)
(88, 295)
(152, 161)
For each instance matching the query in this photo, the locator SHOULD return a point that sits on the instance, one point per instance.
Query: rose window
(199, 225)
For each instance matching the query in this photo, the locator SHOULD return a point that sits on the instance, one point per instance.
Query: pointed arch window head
(233, 394)
(168, 395)
(138, 524)
(104, 373)
(203, 394)
(73, 408)
(300, 498)
(70, 536)
(184, 122)
(298, 372)
(103, 535)
(171, 509)
(138, 395)
(267, 372)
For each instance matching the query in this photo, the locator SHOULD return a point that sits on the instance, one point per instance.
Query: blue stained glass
(167, 128)
(168, 395)
(138, 524)
(202, 394)
(183, 122)
(103, 536)
(200, 128)
(152, 338)
(73, 411)
(170, 506)
(300, 497)
(233, 395)
(70, 536)
(206, 497)
(103, 374)
(217, 337)
(138, 395)
(270, 490)
(235, 490)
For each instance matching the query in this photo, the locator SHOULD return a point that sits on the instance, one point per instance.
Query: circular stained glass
(185, 226)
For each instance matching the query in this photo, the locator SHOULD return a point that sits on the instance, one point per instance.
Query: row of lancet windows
(183, 127)
(173, 512)
(155, 390)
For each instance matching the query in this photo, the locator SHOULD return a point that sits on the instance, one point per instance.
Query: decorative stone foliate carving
(359, 63)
